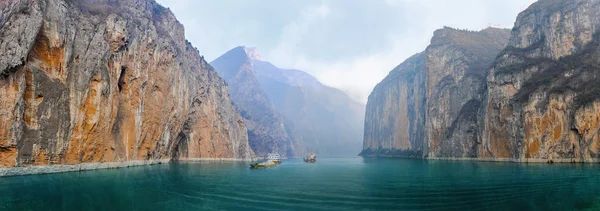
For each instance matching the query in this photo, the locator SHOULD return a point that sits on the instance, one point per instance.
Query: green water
(329, 184)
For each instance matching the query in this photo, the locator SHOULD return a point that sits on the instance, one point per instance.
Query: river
(330, 184)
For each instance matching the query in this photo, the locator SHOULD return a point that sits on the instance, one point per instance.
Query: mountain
(325, 119)
(317, 118)
(267, 130)
(537, 101)
(108, 81)
(428, 106)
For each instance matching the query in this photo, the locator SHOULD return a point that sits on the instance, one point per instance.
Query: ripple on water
(330, 184)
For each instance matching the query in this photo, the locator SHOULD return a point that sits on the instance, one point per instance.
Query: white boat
(273, 156)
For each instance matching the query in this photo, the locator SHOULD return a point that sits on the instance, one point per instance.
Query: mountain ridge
(298, 97)
(266, 127)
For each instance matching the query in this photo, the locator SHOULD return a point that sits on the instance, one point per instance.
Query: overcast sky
(348, 44)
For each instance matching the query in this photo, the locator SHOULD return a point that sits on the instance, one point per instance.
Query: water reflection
(329, 184)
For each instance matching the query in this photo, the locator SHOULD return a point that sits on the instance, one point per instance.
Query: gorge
(108, 84)
(122, 86)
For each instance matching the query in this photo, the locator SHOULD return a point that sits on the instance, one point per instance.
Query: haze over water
(329, 184)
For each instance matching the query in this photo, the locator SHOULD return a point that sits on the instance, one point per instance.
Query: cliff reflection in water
(330, 184)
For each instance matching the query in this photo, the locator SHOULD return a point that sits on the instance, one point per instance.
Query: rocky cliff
(107, 81)
(395, 112)
(429, 105)
(267, 129)
(457, 65)
(543, 96)
(538, 102)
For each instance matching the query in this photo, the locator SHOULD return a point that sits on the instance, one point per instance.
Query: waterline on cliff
(51, 169)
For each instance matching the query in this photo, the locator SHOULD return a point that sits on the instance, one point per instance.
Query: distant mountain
(326, 120)
(266, 127)
(318, 118)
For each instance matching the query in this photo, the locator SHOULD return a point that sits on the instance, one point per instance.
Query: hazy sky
(348, 44)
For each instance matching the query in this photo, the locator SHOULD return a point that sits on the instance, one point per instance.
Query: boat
(275, 157)
(263, 165)
(311, 158)
(272, 160)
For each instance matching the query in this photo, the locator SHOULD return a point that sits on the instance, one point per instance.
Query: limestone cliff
(457, 64)
(539, 102)
(267, 129)
(543, 96)
(395, 112)
(107, 81)
(428, 106)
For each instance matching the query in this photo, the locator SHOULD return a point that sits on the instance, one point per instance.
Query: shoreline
(63, 168)
(502, 160)
(215, 159)
(527, 160)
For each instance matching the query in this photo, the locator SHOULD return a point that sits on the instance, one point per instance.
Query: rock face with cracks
(429, 105)
(95, 81)
(543, 90)
(537, 101)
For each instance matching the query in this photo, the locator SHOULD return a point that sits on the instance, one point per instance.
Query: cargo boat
(311, 158)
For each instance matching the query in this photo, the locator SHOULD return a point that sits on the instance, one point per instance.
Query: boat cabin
(273, 156)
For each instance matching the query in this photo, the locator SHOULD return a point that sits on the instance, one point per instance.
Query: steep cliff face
(106, 81)
(267, 129)
(429, 105)
(324, 119)
(457, 64)
(538, 103)
(543, 90)
(395, 113)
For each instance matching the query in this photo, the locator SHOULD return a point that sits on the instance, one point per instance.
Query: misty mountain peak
(252, 53)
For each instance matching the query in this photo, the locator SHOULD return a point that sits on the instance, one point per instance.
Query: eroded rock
(108, 81)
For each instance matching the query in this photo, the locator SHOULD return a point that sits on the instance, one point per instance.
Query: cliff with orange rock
(536, 100)
(543, 89)
(108, 81)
